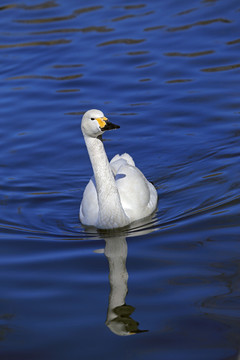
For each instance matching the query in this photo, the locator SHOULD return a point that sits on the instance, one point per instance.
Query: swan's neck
(111, 213)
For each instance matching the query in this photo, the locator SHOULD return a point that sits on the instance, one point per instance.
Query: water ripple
(130, 16)
(222, 68)
(41, 6)
(47, 77)
(122, 41)
(36, 43)
(193, 54)
(152, 28)
(74, 14)
(199, 23)
(186, 12)
(178, 81)
(233, 42)
(98, 29)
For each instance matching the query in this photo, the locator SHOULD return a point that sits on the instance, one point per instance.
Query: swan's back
(138, 196)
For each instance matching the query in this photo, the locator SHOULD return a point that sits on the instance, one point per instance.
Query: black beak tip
(110, 126)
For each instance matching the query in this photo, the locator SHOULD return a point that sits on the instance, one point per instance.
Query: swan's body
(118, 193)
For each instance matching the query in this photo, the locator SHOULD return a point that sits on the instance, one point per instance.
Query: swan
(118, 193)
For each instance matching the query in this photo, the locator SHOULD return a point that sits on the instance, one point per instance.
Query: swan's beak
(105, 124)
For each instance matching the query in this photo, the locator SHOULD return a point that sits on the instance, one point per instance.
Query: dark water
(168, 72)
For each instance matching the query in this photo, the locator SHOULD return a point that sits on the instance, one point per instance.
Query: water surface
(168, 73)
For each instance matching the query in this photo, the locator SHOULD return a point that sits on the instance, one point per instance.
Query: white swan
(118, 193)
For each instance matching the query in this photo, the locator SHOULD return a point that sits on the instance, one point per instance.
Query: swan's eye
(92, 118)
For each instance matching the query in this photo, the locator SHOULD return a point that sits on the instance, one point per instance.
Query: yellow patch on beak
(102, 122)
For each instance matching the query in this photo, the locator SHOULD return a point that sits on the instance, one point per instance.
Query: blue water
(168, 73)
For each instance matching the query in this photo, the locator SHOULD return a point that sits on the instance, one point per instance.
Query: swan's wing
(119, 160)
(89, 206)
(138, 196)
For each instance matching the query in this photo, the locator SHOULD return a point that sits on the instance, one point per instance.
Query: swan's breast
(89, 209)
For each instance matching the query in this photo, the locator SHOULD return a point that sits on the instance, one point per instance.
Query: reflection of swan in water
(119, 319)
(4, 327)
(118, 315)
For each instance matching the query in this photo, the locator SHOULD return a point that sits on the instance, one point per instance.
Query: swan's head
(94, 123)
